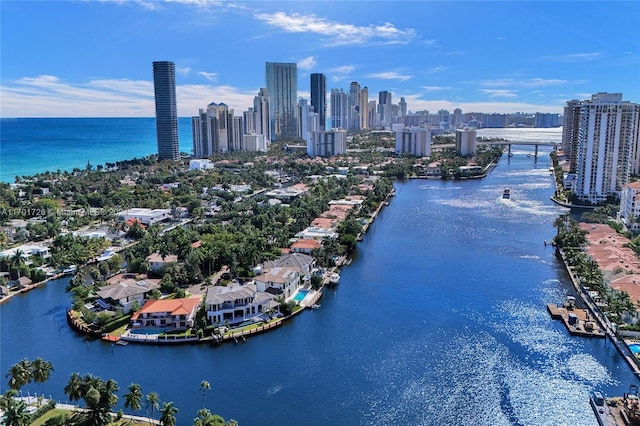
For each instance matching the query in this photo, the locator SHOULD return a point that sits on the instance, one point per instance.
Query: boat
(624, 410)
(334, 279)
(315, 306)
(506, 194)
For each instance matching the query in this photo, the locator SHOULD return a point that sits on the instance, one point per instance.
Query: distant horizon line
(190, 116)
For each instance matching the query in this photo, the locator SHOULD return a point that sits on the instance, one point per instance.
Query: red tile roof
(184, 306)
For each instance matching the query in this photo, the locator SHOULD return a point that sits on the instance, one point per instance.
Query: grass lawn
(118, 331)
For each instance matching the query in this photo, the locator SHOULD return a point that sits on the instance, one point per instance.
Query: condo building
(415, 141)
(282, 86)
(606, 148)
(164, 86)
(319, 97)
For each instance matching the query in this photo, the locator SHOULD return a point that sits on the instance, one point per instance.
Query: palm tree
(204, 387)
(74, 389)
(168, 416)
(133, 399)
(15, 411)
(17, 260)
(41, 370)
(153, 402)
(19, 374)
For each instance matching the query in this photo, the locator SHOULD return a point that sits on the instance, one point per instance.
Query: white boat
(506, 194)
(334, 278)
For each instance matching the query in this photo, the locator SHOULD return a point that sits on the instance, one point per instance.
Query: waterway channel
(440, 319)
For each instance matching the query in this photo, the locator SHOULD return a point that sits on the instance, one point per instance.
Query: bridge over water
(528, 143)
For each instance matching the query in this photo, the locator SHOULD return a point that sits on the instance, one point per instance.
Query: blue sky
(93, 58)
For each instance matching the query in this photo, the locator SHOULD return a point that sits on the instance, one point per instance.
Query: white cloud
(307, 63)
(499, 93)
(572, 57)
(344, 69)
(211, 76)
(183, 70)
(434, 88)
(337, 33)
(530, 82)
(389, 75)
(49, 96)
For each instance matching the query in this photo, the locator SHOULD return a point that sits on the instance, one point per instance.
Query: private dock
(577, 321)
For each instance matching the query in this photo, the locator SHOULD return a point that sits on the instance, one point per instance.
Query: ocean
(440, 320)
(36, 145)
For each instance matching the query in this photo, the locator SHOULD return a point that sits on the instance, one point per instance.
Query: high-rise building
(364, 108)
(353, 108)
(319, 97)
(282, 84)
(261, 109)
(339, 104)
(327, 144)
(466, 141)
(570, 127)
(164, 86)
(546, 119)
(384, 108)
(607, 143)
(415, 141)
(403, 110)
(216, 130)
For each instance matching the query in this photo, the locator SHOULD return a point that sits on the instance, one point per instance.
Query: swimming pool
(635, 347)
(300, 295)
(147, 330)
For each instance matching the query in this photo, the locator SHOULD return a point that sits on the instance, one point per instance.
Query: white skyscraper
(261, 111)
(466, 141)
(415, 141)
(213, 130)
(327, 144)
(607, 138)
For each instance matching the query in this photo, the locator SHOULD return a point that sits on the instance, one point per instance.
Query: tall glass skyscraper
(319, 98)
(282, 85)
(164, 85)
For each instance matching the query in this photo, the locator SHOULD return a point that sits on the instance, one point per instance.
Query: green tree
(15, 411)
(19, 374)
(17, 261)
(204, 387)
(168, 414)
(133, 399)
(153, 403)
(41, 370)
(73, 389)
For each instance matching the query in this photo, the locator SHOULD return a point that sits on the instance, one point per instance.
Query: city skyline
(477, 56)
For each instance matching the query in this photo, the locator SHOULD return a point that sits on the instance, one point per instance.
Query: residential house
(305, 246)
(157, 262)
(279, 281)
(145, 216)
(234, 304)
(126, 294)
(301, 261)
(178, 314)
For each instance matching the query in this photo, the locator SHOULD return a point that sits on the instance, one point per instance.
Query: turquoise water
(36, 145)
(635, 348)
(299, 297)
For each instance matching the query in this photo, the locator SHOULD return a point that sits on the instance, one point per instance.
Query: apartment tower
(164, 86)
(319, 97)
(282, 85)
